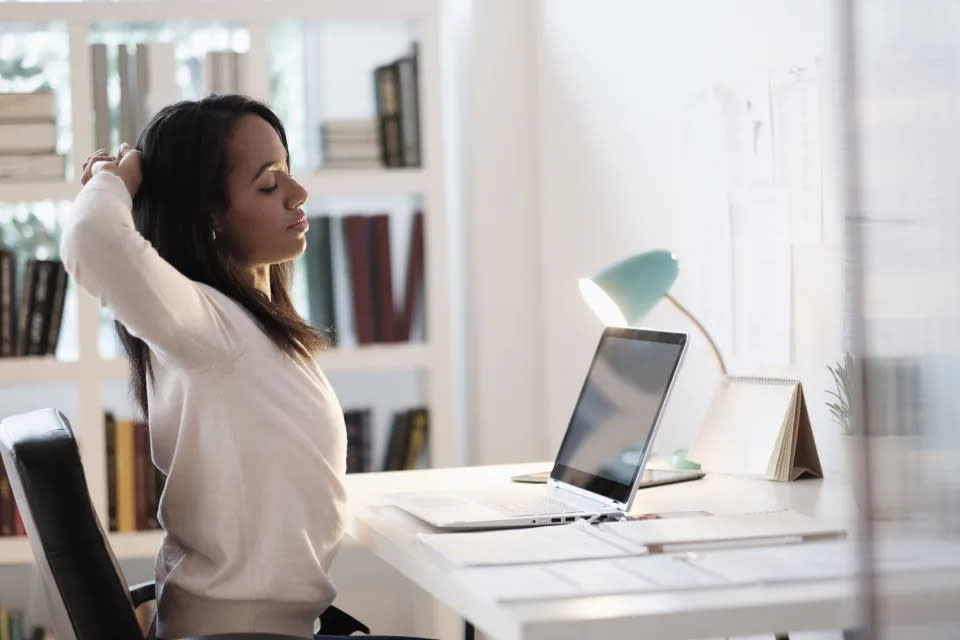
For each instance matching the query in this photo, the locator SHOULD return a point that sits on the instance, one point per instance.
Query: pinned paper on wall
(763, 276)
(705, 153)
(797, 143)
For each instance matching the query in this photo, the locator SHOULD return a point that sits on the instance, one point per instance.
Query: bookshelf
(89, 374)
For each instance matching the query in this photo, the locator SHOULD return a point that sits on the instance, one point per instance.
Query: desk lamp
(627, 290)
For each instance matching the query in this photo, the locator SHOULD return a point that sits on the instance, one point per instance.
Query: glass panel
(323, 71)
(34, 57)
(903, 307)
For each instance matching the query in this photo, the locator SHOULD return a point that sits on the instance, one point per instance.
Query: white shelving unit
(89, 372)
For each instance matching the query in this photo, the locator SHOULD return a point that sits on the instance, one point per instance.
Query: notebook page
(742, 425)
(786, 442)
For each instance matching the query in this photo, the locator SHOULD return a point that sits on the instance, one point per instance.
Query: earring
(213, 234)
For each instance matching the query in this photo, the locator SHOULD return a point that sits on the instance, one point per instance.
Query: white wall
(613, 80)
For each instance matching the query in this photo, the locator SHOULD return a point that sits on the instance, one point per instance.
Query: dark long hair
(185, 167)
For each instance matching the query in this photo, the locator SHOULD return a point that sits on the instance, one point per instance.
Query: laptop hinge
(592, 501)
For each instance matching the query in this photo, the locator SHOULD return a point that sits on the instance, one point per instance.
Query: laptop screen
(619, 405)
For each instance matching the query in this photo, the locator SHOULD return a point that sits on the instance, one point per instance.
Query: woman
(188, 239)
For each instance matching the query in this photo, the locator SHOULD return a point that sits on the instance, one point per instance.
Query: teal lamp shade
(624, 292)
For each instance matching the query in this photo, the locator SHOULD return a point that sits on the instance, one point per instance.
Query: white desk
(391, 534)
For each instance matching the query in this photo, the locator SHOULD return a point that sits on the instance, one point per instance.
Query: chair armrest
(143, 592)
(337, 622)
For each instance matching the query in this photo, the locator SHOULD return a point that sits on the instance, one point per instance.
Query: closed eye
(268, 189)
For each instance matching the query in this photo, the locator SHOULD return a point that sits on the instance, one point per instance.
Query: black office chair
(87, 594)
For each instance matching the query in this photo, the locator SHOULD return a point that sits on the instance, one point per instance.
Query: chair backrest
(85, 589)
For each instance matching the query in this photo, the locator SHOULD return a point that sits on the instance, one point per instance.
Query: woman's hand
(125, 164)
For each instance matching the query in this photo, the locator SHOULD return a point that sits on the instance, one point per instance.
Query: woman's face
(265, 223)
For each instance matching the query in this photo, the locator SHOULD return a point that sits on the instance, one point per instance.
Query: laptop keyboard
(510, 504)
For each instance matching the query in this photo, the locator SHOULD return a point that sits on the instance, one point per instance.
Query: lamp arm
(713, 345)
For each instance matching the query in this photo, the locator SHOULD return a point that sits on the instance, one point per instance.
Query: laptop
(600, 462)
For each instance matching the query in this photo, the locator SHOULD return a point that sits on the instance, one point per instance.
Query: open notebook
(757, 426)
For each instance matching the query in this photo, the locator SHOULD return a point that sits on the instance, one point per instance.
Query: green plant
(840, 409)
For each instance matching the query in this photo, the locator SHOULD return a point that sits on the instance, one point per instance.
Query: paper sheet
(586, 578)
(701, 570)
(536, 544)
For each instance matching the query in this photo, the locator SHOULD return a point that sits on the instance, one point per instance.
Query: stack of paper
(622, 539)
(738, 529)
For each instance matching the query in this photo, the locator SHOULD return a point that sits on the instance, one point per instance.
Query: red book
(6, 504)
(18, 528)
(141, 467)
(383, 279)
(413, 292)
(357, 240)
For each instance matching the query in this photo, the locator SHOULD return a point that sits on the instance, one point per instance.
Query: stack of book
(28, 138)
(398, 111)
(134, 485)
(406, 445)
(350, 144)
(223, 71)
(377, 318)
(147, 81)
(31, 326)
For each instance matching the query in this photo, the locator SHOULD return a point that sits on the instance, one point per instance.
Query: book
(142, 469)
(736, 529)
(6, 504)
(126, 71)
(23, 307)
(124, 458)
(24, 107)
(407, 82)
(386, 329)
(28, 137)
(102, 122)
(386, 93)
(7, 267)
(358, 423)
(416, 437)
(319, 265)
(413, 289)
(32, 167)
(16, 624)
(141, 85)
(161, 89)
(38, 320)
(356, 235)
(757, 426)
(110, 439)
(58, 297)
(18, 527)
(395, 455)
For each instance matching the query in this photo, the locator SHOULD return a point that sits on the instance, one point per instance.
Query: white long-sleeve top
(252, 441)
